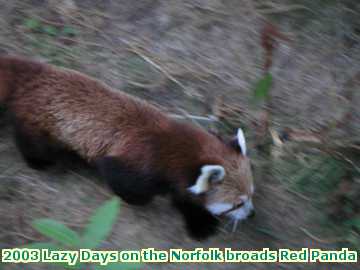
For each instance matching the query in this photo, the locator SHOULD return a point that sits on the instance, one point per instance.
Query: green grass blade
(50, 30)
(101, 223)
(262, 87)
(69, 31)
(57, 231)
(32, 24)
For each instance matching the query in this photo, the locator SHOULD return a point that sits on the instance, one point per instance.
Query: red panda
(137, 149)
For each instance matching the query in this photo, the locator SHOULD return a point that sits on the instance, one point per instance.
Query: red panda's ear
(209, 174)
(239, 142)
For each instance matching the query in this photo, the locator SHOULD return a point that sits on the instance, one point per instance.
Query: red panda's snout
(228, 187)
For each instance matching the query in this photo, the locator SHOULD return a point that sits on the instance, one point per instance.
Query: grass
(51, 42)
(321, 177)
(94, 234)
(223, 59)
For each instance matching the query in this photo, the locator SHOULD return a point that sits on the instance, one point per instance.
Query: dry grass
(192, 58)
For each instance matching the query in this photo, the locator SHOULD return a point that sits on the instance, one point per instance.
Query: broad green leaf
(57, 231)
(101, 223)
(119, 266)
(262, 88)
(32, 24)
(50, 30)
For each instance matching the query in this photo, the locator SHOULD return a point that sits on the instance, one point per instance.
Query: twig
(101, 14)
(281, 9)
(298, 194)
(354, 146)
(88, 43)
(207, 9)
(348, 160)
(49, 22)
(211, 119)
(144, 85)
(188, 116)
(331, 241)
(19, 235)
(136, 51)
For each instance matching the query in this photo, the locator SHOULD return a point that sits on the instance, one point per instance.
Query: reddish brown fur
(89, 117)
(137, 149)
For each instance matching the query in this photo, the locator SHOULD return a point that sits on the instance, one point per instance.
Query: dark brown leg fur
(132, 185)
(200, 223)
(38, 152)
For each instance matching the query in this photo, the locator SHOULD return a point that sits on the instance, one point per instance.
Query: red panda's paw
(203, 225)
(200, 223)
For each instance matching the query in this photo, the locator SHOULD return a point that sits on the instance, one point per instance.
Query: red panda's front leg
(138, 187)
(200, 223)
(130, 184)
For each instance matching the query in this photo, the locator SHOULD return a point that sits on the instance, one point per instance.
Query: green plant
(95, 232)
(262, 88)
(69, 31)
(36, 25)
(330, 181)
(50, 30)
(32, 24)
(353, 229)
(53, 42)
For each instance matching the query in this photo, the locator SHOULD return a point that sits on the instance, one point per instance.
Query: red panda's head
(228, 187)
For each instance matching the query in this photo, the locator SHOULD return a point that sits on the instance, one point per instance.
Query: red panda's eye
(214, 177)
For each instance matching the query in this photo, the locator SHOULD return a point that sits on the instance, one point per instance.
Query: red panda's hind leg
(37, 151)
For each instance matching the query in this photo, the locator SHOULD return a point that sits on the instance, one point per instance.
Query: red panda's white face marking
(233, 196)
(209, 174)
(228, 187)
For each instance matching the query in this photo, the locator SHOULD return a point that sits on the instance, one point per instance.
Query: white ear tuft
(209, 173)
(241, 141)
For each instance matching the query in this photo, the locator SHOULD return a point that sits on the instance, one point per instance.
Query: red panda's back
(77, 111)
(15, 72)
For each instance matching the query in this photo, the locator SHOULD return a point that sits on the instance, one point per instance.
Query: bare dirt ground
(183, 56)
